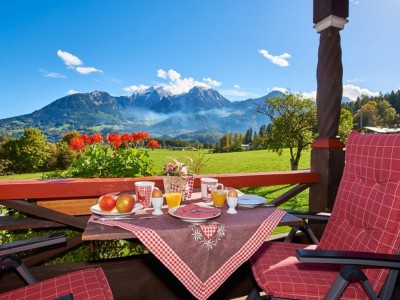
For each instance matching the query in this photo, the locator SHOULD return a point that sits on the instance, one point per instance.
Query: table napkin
(196, 211)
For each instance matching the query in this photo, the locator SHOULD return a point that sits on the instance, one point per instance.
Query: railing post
(327, 158)
(327, 155)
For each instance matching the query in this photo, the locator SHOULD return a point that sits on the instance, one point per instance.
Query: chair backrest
(366, 214)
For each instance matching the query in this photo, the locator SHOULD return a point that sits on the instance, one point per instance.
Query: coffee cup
(207, 186)
(143, 190)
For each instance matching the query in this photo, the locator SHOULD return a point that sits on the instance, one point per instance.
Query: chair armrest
(349, 258)
(310, 215)
(32, 243)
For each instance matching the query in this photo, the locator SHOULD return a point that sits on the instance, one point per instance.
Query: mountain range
(197, 113)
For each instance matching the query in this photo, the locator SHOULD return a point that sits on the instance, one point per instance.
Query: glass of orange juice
(173, 199)
(218, 197)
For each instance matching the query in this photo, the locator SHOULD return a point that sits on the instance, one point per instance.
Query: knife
(122, 218)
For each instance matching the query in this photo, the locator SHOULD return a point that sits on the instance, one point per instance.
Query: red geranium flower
(96, 138)
(153, 144)
(76, 143)
(85, 138)
(126, 137)
(114, 139)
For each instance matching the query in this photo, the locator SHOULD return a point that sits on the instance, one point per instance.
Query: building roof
(382, 129)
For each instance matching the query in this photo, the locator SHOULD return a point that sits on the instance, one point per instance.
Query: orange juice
(173, 199)
(218, 197)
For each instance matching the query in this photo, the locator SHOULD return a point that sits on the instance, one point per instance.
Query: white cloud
(136, 88)
(350, 91)
(69, 59)
(309, 95)
(176, 83)
(281, 89)
(173, 75)
(71, 92)
(280, 60)
(236, 86)
(305, 95)
(161, 73)
(87, 70)
(353, 92)
(51, 74)
(170, 74)
(212, 82)
(354, 80)
(355, 2)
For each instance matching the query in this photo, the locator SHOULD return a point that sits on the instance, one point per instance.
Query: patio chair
(358, 255)
(89, 283)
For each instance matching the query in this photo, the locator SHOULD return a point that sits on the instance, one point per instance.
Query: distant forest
(382, 110)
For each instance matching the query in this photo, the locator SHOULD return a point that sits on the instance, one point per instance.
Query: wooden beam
(325, 8)
(42, 212)
(81, 188)
(290, 194)
(35, 259)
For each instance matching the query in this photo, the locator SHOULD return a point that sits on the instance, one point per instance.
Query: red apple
(107, 202)
(125, 203)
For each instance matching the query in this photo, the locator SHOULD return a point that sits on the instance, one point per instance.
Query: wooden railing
(65, 203)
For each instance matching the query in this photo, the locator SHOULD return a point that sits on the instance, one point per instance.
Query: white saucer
(247, 200)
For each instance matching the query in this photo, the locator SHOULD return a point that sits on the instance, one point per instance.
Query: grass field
(235, 162)
(218, 163)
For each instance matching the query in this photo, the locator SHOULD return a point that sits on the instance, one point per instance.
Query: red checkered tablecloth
(203, 255)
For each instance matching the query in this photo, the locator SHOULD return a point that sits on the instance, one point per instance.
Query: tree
(368, 114)
(70, 135)
(345, 124)
(293, 124)
(31, 152)
(248, 136)
(387, 114)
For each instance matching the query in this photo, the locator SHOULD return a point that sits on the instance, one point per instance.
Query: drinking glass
(173, 199)
(218, 197)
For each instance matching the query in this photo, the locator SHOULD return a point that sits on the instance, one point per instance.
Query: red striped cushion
(279, 273)
(366, 217)
(84, 284)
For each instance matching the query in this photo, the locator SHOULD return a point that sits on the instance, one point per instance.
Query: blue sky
(244, 49)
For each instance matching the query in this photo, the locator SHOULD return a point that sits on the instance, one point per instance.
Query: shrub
(31, 152)
(65, 156)
(104, 161)
(5, 167)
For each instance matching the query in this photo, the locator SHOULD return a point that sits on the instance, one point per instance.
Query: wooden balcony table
(201, 255)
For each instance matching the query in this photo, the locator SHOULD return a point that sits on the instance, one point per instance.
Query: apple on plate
(107, 202)
(125, 203)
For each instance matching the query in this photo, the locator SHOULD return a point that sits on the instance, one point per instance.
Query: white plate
(250, 200)
(96, 210)
(171, 211)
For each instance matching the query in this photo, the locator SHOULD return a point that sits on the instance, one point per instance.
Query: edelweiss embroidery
(208, 234)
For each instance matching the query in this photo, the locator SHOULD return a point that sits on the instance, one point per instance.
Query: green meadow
(234, 162)
(215, 163)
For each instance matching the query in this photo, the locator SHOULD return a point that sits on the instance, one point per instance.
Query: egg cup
(157, 204)
(232, 202)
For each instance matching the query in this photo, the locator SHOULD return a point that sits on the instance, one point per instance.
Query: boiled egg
(232, 193)
(156, 194)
